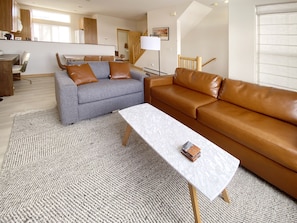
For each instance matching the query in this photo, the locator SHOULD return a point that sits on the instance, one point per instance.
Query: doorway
(123, 48)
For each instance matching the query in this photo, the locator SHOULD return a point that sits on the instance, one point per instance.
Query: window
(277, 45)
(51, 27)
(51, 33)
(50, 16)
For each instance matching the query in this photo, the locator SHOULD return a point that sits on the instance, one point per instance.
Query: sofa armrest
(138, 75)
(153, 81)
(66, 97)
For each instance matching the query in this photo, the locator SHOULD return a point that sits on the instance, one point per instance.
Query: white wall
(107, 28)
(168, 52)
(180, 19)
(242, 40)
(227, 33)
(43, 54)
(141, 25)
(210, 39)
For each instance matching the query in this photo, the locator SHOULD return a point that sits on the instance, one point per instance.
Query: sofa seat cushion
(106, 88)
(277, 103)
(181, 98)
(273, 138)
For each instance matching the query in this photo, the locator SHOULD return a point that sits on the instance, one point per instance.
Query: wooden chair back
(62, 66)
(107, 58)
(18, 69)
(92, 58)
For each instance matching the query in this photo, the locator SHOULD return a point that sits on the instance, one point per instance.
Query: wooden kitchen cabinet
(9, 16)
(89, 26)
(26, 33)
(6, 77)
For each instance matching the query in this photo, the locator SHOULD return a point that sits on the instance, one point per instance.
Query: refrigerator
(79, 36)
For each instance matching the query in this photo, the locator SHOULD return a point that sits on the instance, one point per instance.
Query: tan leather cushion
(270, 101)
(119, 70)
(182, 99)
(81, 74)
(198, 81)
(270, 137)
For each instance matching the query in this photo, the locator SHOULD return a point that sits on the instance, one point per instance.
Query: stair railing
(193, 63)
(209, 61)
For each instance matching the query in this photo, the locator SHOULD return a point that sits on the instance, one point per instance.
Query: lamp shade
(150, 42)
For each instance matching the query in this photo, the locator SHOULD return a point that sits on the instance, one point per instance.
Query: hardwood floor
(27, 97)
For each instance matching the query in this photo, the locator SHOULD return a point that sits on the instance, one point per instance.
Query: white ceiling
(129, 9)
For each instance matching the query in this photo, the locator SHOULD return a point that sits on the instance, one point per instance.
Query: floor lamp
(151, 43)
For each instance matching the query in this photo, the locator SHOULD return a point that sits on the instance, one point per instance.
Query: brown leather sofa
(256, 124)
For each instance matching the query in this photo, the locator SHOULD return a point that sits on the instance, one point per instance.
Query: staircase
(136, 51)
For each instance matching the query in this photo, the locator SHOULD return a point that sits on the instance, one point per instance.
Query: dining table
(6, 76)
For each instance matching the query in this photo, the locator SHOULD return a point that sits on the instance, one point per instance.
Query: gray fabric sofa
(76, 103)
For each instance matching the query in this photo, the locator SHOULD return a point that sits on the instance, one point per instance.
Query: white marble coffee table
(210, 173)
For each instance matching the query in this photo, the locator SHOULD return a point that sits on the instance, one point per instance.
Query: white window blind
(51, 26)
(277, 45)
(51, 33)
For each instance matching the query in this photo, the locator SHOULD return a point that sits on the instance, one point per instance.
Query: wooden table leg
(195, 204)
(126, 135)
(225, 196)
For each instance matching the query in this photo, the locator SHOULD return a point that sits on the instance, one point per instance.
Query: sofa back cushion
(274, 102)
(198, 81)
(100, 68)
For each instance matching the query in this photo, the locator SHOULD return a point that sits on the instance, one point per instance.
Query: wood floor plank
(36, 96)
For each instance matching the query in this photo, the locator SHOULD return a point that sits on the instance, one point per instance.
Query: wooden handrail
(207, 62)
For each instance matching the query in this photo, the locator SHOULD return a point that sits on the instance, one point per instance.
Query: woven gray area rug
(81, 173)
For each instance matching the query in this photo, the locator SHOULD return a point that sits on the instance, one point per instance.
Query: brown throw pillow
(119, 70)
(81, 74)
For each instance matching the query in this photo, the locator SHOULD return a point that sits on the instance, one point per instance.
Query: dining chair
(108, 58)
(62, 66)
(92, 58)
(21, 68)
